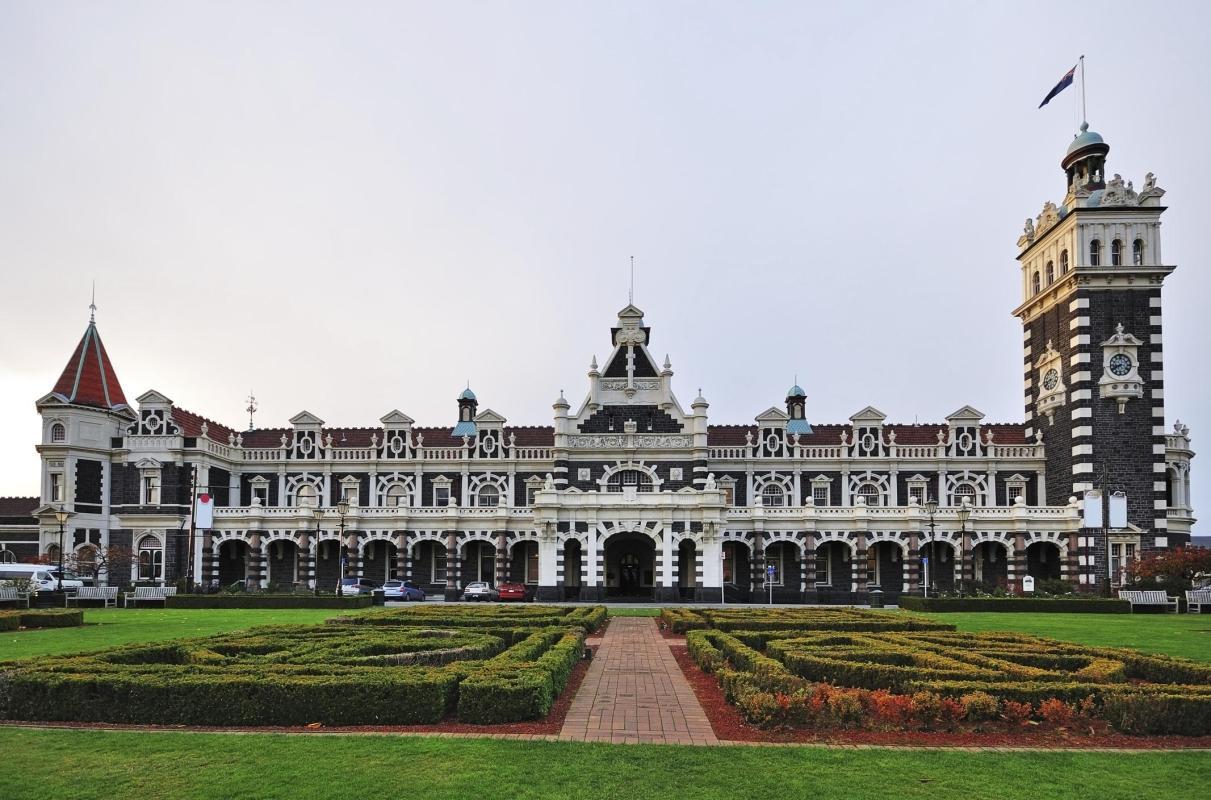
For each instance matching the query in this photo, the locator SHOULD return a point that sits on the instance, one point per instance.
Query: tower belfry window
(1116, 253)
(1095, 253)
(1063, 262)
(1050, 272)
(1035, 286)
(1137, 252)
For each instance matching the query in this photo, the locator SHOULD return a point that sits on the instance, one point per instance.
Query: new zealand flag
(1064, 83)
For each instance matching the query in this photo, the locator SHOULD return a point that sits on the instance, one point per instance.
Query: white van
(39, 577)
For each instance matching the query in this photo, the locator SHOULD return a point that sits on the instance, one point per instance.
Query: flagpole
(1084, 113)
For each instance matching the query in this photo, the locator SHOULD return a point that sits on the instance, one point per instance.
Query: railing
(153, 442)
(930, 452)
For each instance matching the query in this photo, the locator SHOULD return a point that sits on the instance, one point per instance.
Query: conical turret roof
(89, 378)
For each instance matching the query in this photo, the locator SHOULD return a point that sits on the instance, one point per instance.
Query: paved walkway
(635, 692)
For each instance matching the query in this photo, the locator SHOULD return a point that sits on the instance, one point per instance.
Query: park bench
(15, 596)
(157, 594)
(1150, 598)
(1196, 599)
(107, 595)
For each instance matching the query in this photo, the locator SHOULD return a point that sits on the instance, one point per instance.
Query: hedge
(680, 620)
(1058, 605)
(588, 618)
(265, 601)
(53, 618)
(297, 675)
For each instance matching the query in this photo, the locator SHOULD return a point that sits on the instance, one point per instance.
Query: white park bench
(1196, 599)
(15, 596)
(107, 595)
(157, 594)
(1150, 598)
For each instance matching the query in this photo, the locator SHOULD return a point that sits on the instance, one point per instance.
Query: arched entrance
(990, 566)
(573, 562)
(233, 562)
(1043, 561)
(327, 564)
(630, 565)
(429, 565)
(939, 573)
(834, 573)
(379, 560)
(885, 570)
(736, 572)
(479, 562)
(687, 569)
(784, 558)
(283, 565)
(523, 563)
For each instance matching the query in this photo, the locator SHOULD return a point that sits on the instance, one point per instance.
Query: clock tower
(1092, 275)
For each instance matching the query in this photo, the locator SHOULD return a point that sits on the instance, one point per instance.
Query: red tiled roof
(89, 378)
(18, 506)
(191, 425)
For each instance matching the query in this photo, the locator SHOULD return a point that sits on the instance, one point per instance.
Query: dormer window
(1063, 262)
(1095, 253)
(58, 433)
(1137, 252)
(1116, 253)
(1050, 273)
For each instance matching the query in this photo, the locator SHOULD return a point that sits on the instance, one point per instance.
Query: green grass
(1187, 635)
(634, 612)
(101, 764)
(114, 626)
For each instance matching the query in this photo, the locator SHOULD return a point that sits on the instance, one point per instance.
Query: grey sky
(355, 207)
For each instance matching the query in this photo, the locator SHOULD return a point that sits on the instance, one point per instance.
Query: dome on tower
(467, 394)
(796, 391)
(1084, 139)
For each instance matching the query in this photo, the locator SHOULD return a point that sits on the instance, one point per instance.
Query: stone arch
(623, 466)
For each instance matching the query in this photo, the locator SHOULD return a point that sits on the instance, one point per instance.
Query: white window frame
(866, 496)
(768, 494)
(55, 491)
(400, 500)
(1013, 490)
(58, 427)
(491, 488)
(151, 488)
(156, 564)
(259, 489)
(778, 562)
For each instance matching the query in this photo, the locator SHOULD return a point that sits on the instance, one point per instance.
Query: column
(711, 587)
(500, 565)
(401, 555)
(757, 569)
(666, 590)
(207, 568)
(912, 565)
(353, 554)
(254, 574)
(548, 588)
(452, 591)
(1017, 564)
(809, 567)
(858, 567)
(591, 590)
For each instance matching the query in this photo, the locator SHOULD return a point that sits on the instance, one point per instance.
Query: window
(772, 495)
(58, 433)
(1050, 273)
(1095, 253)
(871, 494)
(260, 494)
(1116, 253)
(86, 561)
(629, 478)
(729, 494)
(1014, 490)
(489, 497)
(824, 567)
(1035, 286)
(151, 559)
(1063, 262)
(56, 487)
(964, 491)
(7, 556)
(531, 489)
(397, 495)
(441, 495)
(820, 495)
(350, 493)
(917, 493)
(1137, 252)
(151, 490)
(729, 564)
(305, 495)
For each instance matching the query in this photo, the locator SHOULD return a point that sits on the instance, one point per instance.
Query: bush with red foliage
(1179, 566)
(1056, 712)
(1016, 713)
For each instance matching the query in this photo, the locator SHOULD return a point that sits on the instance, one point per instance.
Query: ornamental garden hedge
(680, 620)
(336, 674)
(53, 618)
(1057, 605)
(588, 618)
(253, 600)
(909, 678)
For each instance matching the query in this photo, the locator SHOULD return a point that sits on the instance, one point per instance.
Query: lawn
(106, 764)
(1187, 635)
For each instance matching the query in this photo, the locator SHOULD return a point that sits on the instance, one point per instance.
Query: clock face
(1051, 379)
(1120, 364)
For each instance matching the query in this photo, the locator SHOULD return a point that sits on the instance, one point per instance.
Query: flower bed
(923, 679)
(1057, 605)
(588, 618)
(53, 618)
(680, 620)
(300, 675)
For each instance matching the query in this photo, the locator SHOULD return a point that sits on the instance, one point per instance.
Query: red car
(513, 591)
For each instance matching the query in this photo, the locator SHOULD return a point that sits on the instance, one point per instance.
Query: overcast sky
(355, 207)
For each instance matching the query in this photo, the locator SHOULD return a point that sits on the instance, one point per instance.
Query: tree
(1178, 567)
(115, 560)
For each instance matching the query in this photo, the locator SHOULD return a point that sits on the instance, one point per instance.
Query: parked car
(513, 591)
(40, 577)
(479, 590)
(397, 590)
(357, 586)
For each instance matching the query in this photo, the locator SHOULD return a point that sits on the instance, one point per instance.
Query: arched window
(488, 497)
(1137, 252)
(1050, 273)
(52, 554)
(1095, 253)
(58, 433)
(7, 556)
(1035, 287)
(151, 559)
(871, 494)
(964, 491)
(1116, 253)
(773, 496)
(397, 495)
(629, 478)
(86, 561)
(1063, 262)
(305, 495)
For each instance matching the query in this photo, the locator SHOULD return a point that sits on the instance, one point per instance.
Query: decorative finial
(1119, 329)
(92, 306)
(667, 364)
(593, 363)
(251, 409)
(631, 291)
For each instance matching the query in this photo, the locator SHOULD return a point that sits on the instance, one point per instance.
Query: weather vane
(251, 409)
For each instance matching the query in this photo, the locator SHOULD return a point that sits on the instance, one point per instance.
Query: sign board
(1028, 583)
(925, 560)
(769, 570)
(1093, 509)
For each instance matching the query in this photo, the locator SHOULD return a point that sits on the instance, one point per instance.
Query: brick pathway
(635, 692)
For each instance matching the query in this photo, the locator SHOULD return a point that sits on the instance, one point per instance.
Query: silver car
(479, 590)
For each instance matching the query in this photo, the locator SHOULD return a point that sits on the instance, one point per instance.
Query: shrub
(890, 709)
(926, 707)
(244, 600)
(1016, 713)
(1056, 712)
(52, 618)
(1158, 713)
(978, 706)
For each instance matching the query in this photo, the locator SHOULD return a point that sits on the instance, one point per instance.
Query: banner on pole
(204, 512)
(1093, 509)
(1118, 510)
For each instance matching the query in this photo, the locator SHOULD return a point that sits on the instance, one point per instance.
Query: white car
(479, 590)
(39, 577)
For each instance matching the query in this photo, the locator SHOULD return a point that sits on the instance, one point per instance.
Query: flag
(204, 519)
(1064, 83)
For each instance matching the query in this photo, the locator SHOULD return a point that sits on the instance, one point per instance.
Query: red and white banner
(204, 514)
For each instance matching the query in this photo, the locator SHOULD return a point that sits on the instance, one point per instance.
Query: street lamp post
(342, 508)
(931, 508)
(313, 513)
(963, 513)
(61, 516)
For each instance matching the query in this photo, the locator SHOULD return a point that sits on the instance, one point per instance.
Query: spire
(89, 378)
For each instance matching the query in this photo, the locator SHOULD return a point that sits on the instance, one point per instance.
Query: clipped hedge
(680, 620)
(514, 687)
(52, 618)
(266, 601)
(588, 618)
(1058, 605)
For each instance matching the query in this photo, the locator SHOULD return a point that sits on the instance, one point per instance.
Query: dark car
(513, 591)
(402, 590)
